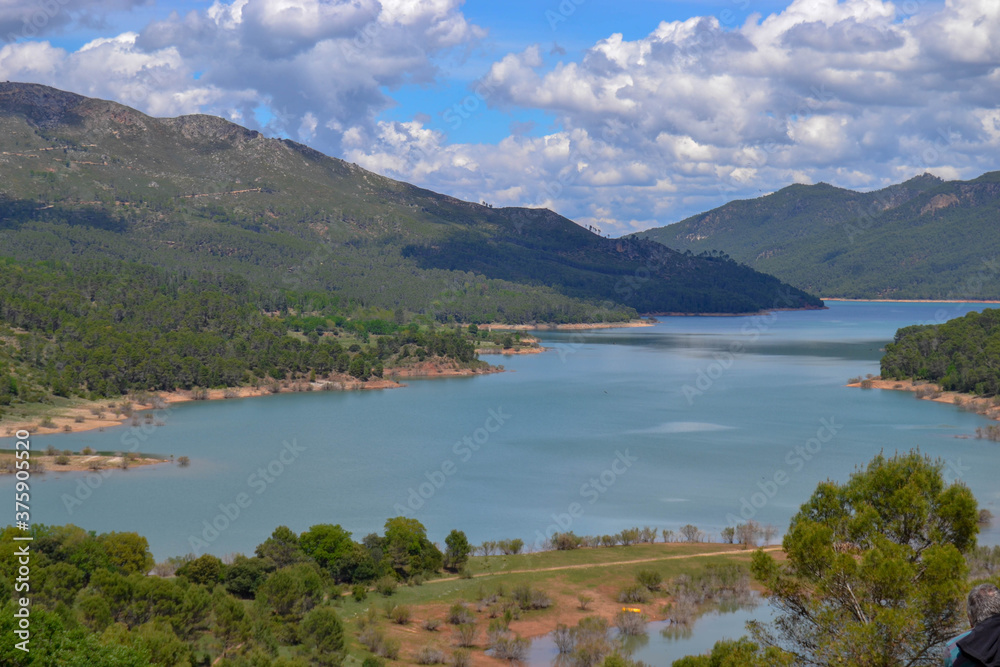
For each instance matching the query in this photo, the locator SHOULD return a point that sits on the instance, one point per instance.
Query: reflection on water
(665, 641)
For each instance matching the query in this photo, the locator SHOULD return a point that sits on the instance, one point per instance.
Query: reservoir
(695, 420)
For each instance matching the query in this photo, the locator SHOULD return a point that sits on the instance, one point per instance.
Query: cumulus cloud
(644, 130)
(25, 20)
(702, 111)
(310, 69)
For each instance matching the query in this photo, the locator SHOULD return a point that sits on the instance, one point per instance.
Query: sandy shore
(566, 327)
(79, 462)
(100, 415)
(984, 406)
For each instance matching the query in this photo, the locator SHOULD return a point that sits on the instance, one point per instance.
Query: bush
(635, 594)
(511, 547)
(651, 579)
(510, 648)
(527, 597)
(400, 614)
(461, 658)
(386, 585)
(62, 460)
(564, 638)
(432, 624)
(565, 541)
(631, 624)
(360, 592)
(465, 635)
(429, 655)
(584, 600)
(459, 614)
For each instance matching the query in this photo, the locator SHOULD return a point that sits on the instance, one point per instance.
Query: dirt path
(582, 566)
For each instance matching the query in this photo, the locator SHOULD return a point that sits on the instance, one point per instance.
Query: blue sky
(623, 115)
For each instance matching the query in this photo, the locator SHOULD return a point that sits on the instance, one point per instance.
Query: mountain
(922, 239)
(83, 178)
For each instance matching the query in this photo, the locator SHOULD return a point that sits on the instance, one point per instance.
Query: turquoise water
(695, 420)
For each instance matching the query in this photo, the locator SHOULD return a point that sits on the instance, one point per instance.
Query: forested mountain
(86, 178)
(922, 239)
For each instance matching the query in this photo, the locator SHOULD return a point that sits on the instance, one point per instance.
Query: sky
(623, 115)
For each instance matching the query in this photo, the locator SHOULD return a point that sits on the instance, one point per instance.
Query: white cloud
(645, 131)
(849, 92)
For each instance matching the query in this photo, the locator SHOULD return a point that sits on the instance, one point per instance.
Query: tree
(728, 534)
(127, 552)
(205, 570)
(281, 549)
(738, 653)
(333, 549)
(875, 572)
(324, 634)
(408, 548)
(690, 533)
(232, 626)
(456, 554)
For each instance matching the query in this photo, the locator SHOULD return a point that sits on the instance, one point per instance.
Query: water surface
(695, 420)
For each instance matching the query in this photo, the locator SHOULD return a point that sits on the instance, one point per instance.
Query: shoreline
(82, 462)
(912, 300)
(983, 406)
(494, 326)
(99, 415)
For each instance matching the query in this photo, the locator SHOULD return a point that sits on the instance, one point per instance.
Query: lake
(701, 420)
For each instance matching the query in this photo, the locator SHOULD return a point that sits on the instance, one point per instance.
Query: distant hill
(922, 239)
(83, 178)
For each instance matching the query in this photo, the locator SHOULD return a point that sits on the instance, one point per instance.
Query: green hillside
(86, 178)
(922, 239)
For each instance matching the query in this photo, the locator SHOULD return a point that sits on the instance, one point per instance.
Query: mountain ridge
(925, 238)
(199, 192)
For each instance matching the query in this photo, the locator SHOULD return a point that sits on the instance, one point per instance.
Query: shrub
(86, 451)
(564, 638)
(400, 614)
(630, 624)
(62, 460)
(633, 594)
(565, 541)
(360, 592)
(459, 614)
(584, 600)
(651, 579)
(514, 649)
(461, 658)
(530, 598)
(465, 634)
(183, 461)
(432, 624)
(386, 585)
(429, 655)
(511, 547)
